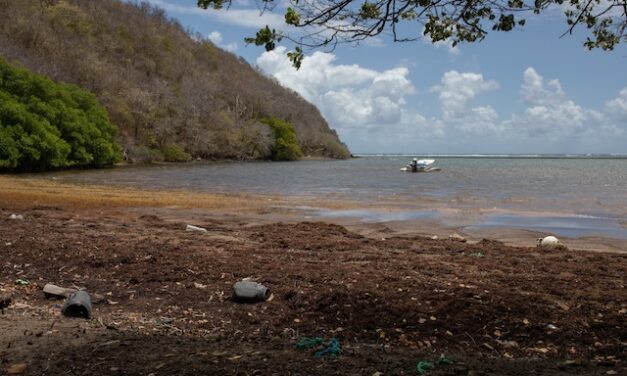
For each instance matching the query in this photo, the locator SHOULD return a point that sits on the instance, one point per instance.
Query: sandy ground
(389, 295)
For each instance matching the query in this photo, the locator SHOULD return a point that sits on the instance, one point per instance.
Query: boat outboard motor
(414, 165)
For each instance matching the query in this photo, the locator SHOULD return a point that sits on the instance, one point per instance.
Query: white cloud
(551, 115)
(372, 107)
(350, 97)
(618, 106)
(251, 18)
(455, 92)
(479, 121)
(457, 89)
(216, 38)
(535, 92)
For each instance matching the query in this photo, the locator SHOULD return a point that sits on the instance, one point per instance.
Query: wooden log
(54, 291)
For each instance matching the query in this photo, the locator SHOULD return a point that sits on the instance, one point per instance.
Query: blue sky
(526, 91)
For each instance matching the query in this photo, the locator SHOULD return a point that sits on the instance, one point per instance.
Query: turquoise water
(595, 187)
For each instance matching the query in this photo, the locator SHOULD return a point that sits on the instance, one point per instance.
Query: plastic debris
(16, 216)
(306, 343)
(195, 228)
(21, 282)
(5, 302)
(331, 347)
(549, 242)
(424, 365)
(78, 304)
(250, 292)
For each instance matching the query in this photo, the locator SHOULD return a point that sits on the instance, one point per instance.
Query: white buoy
(549, 242)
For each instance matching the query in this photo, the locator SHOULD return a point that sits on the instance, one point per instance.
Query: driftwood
(54, 291)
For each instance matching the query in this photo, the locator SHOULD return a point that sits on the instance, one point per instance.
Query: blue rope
(333, 348)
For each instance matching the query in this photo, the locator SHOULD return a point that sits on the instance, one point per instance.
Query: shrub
(175, 153)
(46, 125)
(286, 147)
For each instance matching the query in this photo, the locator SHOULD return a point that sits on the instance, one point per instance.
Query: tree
(329, 22)
(46, 125)
(286, 146)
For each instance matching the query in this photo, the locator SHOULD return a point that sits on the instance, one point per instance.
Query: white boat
(422, 165)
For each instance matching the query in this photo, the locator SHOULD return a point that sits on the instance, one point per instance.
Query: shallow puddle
(374, 216)
(568, 226)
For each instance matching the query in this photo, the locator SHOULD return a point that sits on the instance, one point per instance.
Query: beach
(390, 294)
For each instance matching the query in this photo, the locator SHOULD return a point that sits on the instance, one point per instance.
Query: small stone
(16, 369)
(542, 350)
(563, 306)
(457, 237)
(508, 344)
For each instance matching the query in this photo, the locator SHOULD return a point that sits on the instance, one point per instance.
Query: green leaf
(292, 17)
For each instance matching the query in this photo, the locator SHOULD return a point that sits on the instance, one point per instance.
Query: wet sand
(391, 295)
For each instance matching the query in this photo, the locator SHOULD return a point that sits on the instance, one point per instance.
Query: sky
(525, 91)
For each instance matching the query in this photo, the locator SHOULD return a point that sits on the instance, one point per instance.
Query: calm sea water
(588, 187)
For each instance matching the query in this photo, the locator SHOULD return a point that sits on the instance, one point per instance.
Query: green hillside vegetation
(286, 146)
(173, 94)
(46, 125)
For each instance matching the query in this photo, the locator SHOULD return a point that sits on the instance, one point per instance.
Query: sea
(569, 195)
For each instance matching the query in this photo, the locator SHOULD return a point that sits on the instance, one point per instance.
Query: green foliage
(292, 17)
(369, 11)
(296, 57)
(175, 153)
(46, 125)
(456, 21)
(286, 147)
(215, 4)
(265, 37)
(160, 83)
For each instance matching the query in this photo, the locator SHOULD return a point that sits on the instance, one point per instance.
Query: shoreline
(390, 298)
(389, 294)
(431, 218)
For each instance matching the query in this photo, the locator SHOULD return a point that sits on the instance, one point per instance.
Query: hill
(171, 92)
